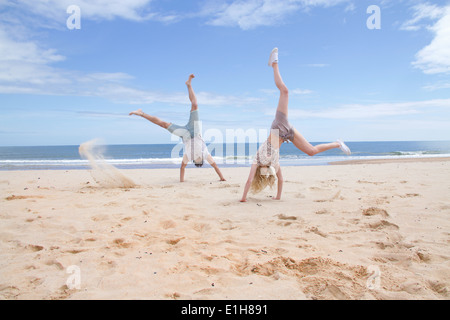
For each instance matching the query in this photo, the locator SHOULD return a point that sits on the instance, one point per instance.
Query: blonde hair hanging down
(260, 181)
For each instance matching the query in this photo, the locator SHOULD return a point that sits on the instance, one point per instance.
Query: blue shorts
(188, 131)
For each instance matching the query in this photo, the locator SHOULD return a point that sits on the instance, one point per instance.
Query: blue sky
(64, 87)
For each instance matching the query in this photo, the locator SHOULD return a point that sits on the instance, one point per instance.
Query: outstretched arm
(251, 176)
(214, 165)
(280, 184)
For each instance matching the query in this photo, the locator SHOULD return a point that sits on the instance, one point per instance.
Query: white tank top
(195, 148)
(267, 155)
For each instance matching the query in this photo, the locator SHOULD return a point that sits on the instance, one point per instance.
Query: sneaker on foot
(273, 56)
(344, 147)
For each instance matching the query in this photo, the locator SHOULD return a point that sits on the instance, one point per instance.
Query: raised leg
(150, 118)
(192, 97)
(284, 92)
(301, 143)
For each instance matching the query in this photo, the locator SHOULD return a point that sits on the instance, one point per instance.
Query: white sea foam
(238, 160)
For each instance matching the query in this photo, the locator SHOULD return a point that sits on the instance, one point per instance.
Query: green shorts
(188, 131)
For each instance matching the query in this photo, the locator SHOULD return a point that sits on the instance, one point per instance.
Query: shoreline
(320, 163)
(392, 160)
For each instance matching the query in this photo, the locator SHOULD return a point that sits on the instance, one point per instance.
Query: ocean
(153, 156)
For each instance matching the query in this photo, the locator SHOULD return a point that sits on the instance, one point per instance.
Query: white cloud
(124, 94)
(45, 80)
(97, 9)
(27, 68)
(25, 51)
(435, 57)
(29, 15)
(301, 91)
(422, 11)
(249, 14)
(437, 86)
(109, 77)
(360, 111)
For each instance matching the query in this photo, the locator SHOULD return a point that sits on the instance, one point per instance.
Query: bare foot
(138, 112)
(191, 76)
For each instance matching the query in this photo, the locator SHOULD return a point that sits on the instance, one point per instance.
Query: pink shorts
(285, 129)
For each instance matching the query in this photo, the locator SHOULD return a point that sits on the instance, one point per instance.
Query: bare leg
(150, 118)
(284, 92)
(214, 165)
(192, 97)
(301, 143)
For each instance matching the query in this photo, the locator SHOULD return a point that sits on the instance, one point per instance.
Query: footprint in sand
(423, 256)
(382, 224)
(55, 263)
(34, 247)
(121, 243)
(74, 251)
(410, 195)
(375, 211)
(284, 217)
(14, 197)
(174, 241)
(100, 217)
(285, 220)
(8, 292)
(227, 225)
(316, 231)
(200, 227)
(320, 278)
(438, 287)
(168, 224)
(337, 196)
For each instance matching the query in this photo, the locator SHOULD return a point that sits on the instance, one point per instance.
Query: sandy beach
(356, 231)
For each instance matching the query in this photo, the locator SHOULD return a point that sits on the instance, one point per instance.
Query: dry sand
(361, 231)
